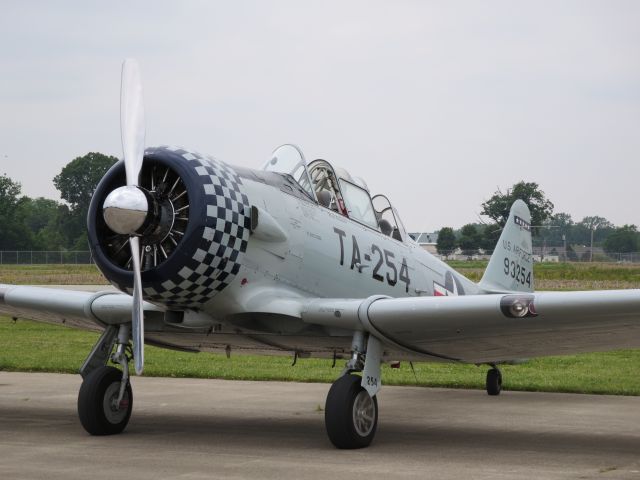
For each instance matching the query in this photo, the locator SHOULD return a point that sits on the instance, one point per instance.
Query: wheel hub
(363, 413)
(113, 411)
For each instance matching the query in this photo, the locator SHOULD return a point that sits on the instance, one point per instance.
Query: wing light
(517, 306)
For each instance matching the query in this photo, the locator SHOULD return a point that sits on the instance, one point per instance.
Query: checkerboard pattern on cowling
(217, 259)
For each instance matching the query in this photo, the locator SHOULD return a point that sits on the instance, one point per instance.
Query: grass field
(51, 275)
(30, 346)
(568, 276)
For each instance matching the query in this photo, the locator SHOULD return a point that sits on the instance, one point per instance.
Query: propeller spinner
(125, 209)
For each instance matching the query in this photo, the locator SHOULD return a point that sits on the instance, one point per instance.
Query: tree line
(44, 224)
(548, 228)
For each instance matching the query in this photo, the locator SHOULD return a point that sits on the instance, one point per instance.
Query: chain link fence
(28, 257)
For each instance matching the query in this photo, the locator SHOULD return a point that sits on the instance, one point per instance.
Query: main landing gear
(105, 400)
(350, 415)
(494, 381)
(351, 411)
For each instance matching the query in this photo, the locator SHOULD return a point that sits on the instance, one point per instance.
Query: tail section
(510, 268)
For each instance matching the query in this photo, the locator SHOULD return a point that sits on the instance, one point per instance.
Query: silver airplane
(296, 258)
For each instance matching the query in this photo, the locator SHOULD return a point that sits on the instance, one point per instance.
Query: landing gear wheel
(494, 381)
(96, 402)
(350, 414)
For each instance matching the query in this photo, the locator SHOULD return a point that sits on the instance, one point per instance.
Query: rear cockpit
(334, 188)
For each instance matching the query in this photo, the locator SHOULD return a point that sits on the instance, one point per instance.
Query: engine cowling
(194, 236)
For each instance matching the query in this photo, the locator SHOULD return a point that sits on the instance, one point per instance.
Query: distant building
(583, 252)
(548, 254)
(426, 240)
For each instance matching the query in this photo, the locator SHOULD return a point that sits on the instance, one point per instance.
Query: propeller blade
(137, 318)
(132, 130)
(132, 127)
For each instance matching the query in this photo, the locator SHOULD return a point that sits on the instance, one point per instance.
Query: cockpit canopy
(334, 188)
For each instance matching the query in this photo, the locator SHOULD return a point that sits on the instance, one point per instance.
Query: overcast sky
(436, 104)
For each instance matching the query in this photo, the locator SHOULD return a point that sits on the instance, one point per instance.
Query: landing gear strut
(351, 411)
(494, 381)
(105, 400)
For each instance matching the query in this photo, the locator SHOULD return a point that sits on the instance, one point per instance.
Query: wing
(474, 329)
(86, 310)
(492, 328)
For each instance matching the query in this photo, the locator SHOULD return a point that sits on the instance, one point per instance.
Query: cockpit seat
(324, 197)
(385, 227)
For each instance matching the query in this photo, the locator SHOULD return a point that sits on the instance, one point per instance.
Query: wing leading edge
(86, 310)
(495, 327)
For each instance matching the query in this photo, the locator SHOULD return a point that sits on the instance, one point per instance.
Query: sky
(435, 104)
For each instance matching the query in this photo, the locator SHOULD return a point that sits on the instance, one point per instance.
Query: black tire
(96, 415)
(339, 414)
(494, 382)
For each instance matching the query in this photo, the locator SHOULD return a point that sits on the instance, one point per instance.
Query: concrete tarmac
(197, 429)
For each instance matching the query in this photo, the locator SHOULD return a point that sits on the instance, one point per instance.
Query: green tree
(14, 235)
(37, 213)
(51, 238)
(600, 226)
(624, 239)
(489, 236)
(9, 195)
(76, 182)
(469, 240)
(498, 206)
(79, 178)
(559, 226)
(446, 241)
(42, 216)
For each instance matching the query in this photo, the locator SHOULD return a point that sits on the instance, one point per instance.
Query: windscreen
(358, 204)
(288, 159)
(385, 212)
